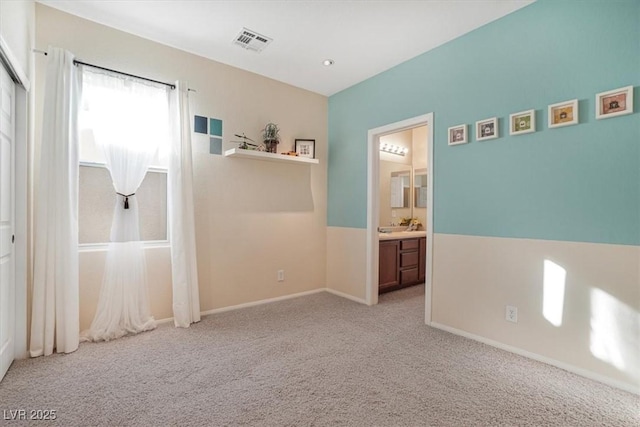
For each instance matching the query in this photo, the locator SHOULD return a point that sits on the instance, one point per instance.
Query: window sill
(97, 247)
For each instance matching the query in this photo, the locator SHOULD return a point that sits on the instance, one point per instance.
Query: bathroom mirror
(400, 187)
(420, 188)
(396, 195)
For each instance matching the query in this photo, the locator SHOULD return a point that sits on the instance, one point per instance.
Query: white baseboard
(260, 302)
(549, 361)
(167, 320)
(268, 301)
(347, 296)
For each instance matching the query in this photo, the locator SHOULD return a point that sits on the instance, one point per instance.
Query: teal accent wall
(575, 183)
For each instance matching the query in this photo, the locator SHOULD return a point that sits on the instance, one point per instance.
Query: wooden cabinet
(401, 263)
(388, 271)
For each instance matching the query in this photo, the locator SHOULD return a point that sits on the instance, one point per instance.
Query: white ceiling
(363, 37)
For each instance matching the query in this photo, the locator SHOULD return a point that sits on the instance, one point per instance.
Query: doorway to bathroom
(400, 195)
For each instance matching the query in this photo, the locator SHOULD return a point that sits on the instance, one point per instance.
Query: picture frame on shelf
(613, 103)
(487, 129)
(522, 122)
(457, 135)
(306, 148)
(563, 114)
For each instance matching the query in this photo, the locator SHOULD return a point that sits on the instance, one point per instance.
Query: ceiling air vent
(251, 40)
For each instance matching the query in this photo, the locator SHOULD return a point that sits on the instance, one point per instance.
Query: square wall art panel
(215, 145)
(200, 124)
(215, 127)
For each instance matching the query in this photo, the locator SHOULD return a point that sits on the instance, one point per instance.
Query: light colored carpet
(311, 361)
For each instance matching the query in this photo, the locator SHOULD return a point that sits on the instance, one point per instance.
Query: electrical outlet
(393, 213)
(511, 314)
(280, 275)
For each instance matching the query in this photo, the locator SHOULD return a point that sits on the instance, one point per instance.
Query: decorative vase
(271, 145)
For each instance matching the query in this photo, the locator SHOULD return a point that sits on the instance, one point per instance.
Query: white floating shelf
(270, 157)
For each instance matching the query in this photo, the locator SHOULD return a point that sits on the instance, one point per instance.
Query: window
(97, 196)
(95, 200)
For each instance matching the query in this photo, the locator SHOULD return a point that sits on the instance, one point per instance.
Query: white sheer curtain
(186, 301)
(129, 119)
(55, 310)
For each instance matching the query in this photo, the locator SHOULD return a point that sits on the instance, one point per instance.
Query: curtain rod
(76, 62)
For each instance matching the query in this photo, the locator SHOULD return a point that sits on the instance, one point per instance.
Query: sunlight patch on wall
(553, 292)
(615, 333)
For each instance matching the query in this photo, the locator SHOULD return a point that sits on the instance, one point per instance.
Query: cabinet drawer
(409, 259)
(408, 244)
(408, 276)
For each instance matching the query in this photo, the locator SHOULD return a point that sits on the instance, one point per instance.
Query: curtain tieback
(126, 198)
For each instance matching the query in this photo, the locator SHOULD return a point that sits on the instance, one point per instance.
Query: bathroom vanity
(402, 260)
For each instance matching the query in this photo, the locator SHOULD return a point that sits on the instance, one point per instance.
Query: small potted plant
(271, 137)
(414, 224)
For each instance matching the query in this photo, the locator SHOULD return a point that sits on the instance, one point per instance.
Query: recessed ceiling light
(328, 62)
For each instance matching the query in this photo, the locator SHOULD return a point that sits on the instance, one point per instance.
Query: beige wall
(347, 261)
(17, 27)
(252, 218)
(92, 263)
(591, 322)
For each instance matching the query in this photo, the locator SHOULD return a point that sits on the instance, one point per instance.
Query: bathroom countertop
(402, 235)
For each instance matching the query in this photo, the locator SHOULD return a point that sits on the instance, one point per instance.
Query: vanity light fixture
(328, 62)
(393, 149)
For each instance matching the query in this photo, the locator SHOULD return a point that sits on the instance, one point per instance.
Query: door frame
(21, 219)
(373, 205)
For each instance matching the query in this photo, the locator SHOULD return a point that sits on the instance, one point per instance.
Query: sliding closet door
(7, 183)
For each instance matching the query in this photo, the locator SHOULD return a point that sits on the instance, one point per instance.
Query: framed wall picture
(563, 114)
(614, 103)
(522, 122)
(458, 135)
(487, 129)
(306, 148)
